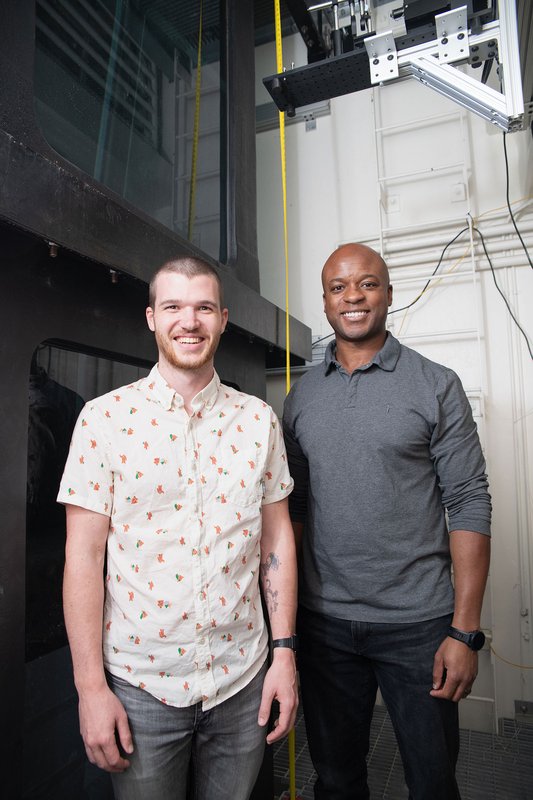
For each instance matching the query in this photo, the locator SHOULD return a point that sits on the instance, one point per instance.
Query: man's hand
(454, 670)
(103, 721)
(280, 684)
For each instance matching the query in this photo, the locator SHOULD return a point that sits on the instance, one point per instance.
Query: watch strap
(288, 641)
(473, 639)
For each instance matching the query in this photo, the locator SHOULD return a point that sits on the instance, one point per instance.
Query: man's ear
(150, 318)
(224, 314)
(389, 294)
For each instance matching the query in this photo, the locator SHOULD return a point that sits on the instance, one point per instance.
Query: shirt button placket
(352, 389)
(201, 601)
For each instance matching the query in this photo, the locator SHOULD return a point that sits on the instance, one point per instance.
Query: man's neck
(186, 382)
(353, 355)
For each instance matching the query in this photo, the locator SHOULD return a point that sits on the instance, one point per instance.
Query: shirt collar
(165, 395)
(386, 358)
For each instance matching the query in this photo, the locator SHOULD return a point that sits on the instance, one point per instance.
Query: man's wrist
(474, 639)
(286, 642)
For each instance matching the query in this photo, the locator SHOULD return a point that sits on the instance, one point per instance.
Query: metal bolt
(390, 58)
(52, 249)
(491, 54)
(376, 61)
(476, 58)
(444, 41)
(491, 44)
(460, 36)
(475, 48)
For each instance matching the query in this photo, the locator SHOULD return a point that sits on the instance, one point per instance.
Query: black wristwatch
(289, 641)
(473, 639)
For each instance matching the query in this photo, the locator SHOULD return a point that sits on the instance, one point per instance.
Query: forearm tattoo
(271, 562)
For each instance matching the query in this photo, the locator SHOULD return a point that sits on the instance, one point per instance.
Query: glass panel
(116, 94)
(60, 383)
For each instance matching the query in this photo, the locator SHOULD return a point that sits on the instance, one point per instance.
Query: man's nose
(353, 293)
(189, 318)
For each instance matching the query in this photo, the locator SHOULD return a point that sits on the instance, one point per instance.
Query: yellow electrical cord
(279, 65)
(196, 131)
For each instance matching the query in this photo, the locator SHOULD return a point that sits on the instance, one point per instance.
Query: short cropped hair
(190, 267)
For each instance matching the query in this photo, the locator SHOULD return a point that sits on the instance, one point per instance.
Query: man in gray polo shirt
(381, 444)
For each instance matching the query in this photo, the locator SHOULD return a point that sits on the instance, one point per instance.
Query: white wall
(333, 197)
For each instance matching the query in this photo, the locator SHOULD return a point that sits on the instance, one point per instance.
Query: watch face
(478, 640)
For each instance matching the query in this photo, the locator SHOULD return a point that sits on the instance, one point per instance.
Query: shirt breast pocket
(239, 491)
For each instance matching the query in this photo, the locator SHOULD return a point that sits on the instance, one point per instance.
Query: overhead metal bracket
(350, 72)
(383, 57)
(464, 90)
(386, 60)
(452, 34)
(503, 108)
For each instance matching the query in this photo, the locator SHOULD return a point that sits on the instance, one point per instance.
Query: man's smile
(188, 339)
(354, 314)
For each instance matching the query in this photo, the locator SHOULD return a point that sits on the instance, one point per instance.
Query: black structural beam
(316, 49)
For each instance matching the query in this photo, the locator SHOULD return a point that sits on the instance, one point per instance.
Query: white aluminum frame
(504, 109)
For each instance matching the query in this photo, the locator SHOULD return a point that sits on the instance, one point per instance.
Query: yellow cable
(196, 131)
(279, 65)
(434, 283)
(511, 663)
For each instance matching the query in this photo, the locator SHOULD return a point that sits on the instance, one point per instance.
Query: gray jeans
(222, 748)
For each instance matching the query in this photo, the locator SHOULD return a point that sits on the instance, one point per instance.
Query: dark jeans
(341, 664)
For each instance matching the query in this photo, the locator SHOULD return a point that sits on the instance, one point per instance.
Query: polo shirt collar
(168, 397)
(385, 359)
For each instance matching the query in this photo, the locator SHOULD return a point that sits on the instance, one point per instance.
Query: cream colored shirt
(182, 616)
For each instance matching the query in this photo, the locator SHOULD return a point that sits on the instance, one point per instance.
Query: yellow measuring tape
(279, 65)
(196, 131)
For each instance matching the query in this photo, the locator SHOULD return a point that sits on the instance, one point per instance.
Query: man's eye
(336, 288)
(369, 284)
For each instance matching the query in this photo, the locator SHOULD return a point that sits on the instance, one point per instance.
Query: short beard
(191, 362)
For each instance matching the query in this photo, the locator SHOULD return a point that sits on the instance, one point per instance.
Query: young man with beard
(178, 485)
(381, 443)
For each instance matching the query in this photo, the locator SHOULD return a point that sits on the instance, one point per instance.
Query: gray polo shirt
(377, 458)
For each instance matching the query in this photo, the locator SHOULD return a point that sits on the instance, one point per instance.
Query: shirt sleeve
(298, 464)
(458, 459)
(88, 478)
(277, 482)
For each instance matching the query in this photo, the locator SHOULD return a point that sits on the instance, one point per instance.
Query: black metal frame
(72, 296)
(50, 197)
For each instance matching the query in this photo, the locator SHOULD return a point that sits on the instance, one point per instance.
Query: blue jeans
(341, 664)
(215, 753)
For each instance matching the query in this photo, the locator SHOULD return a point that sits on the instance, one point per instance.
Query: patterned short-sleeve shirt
(182, 615)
